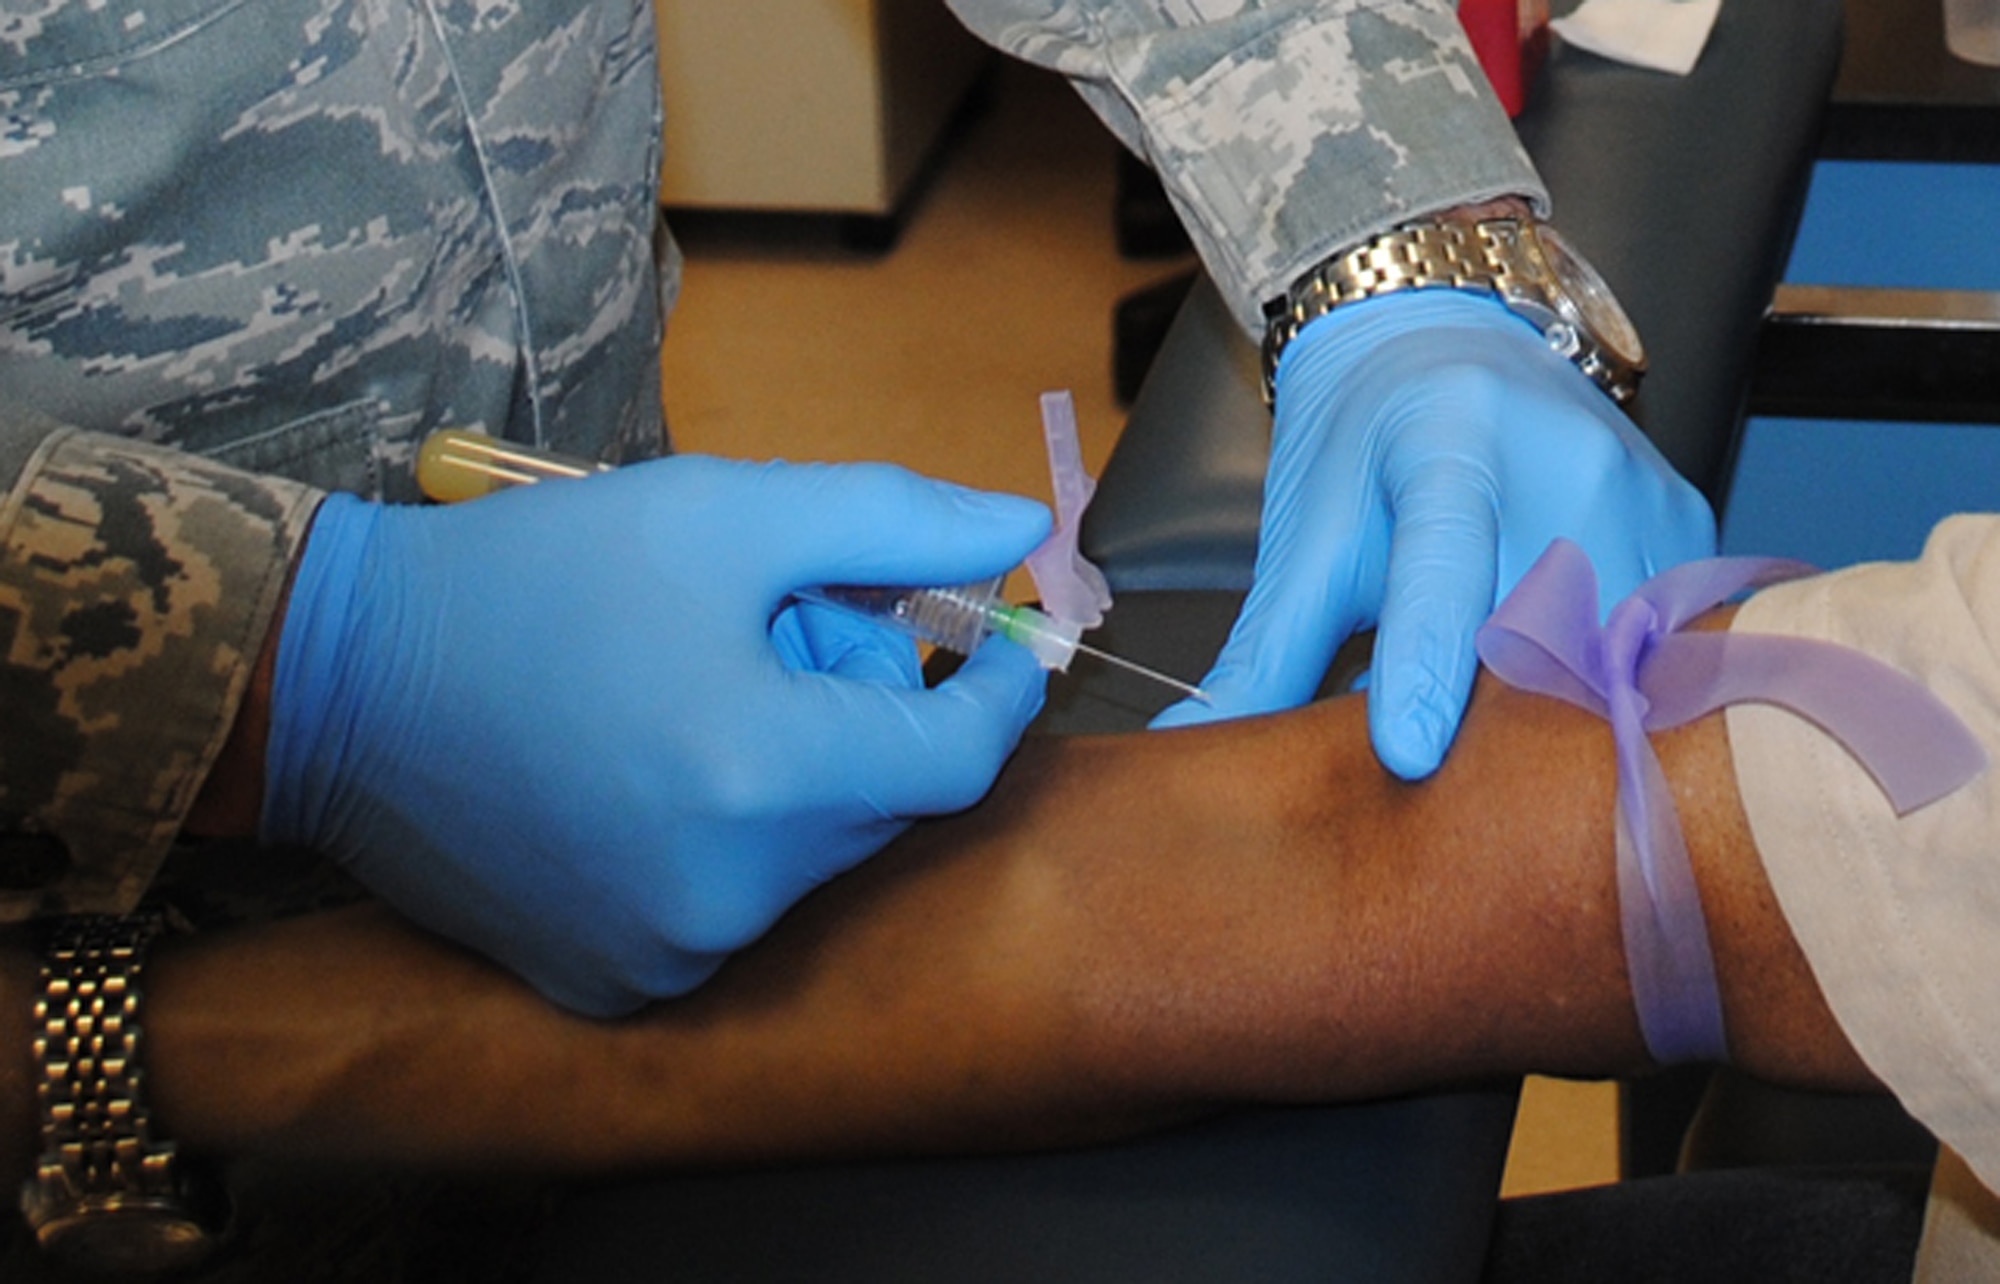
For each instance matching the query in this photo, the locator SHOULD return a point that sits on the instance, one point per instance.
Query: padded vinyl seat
(1683, 192)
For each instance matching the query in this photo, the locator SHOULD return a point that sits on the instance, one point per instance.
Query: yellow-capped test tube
(456, 465)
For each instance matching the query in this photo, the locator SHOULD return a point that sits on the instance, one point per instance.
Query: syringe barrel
(956, 617)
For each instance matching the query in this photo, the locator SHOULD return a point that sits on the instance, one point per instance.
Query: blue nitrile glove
(1428, 445)
(577, 728)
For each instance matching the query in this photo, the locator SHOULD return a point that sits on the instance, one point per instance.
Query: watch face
(127, 1236)
(1601, 313)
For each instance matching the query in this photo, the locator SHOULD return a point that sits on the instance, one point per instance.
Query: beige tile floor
(787, 345)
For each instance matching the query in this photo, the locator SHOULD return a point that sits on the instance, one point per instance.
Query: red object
(1511, 38)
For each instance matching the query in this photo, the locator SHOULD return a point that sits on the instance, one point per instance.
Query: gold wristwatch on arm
(1499, 249)
(108, 1197)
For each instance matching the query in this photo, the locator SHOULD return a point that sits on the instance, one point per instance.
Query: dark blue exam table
(1684, 192)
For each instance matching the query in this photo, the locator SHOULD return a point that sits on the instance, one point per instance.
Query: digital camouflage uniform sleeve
(285, 239)
(1283, 130)
(137, 585)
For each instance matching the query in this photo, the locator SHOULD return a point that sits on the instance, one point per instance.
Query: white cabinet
(807, 105)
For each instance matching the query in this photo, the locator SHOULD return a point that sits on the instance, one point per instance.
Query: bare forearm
(1259, 912)
(1129, 930)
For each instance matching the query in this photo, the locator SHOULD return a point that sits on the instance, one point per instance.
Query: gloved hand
(1427, 447)
(577, 727)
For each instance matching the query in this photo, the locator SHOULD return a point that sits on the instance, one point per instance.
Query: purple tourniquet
(1640, 673)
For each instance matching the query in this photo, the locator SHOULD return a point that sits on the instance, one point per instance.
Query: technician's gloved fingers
(1321, 549)
(985, 707)
(1667, 525)
(1443, 561)
(902, 754)
(1302, 605)
(1452, 445)
(875, 758)
(1497, 453)
(814, 638)
(877, 524)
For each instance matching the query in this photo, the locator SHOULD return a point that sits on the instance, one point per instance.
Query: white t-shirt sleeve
(1899, 916)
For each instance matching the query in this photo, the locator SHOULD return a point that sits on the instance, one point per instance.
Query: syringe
(960, 618)
(456, 465)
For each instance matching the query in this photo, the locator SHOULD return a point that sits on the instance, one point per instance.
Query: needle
(1193, 692)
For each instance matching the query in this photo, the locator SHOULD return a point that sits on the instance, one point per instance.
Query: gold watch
(108, 1196)
(1523, 263)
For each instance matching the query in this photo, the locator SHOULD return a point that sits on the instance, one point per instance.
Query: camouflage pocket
(45, 40)
(336, 449)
